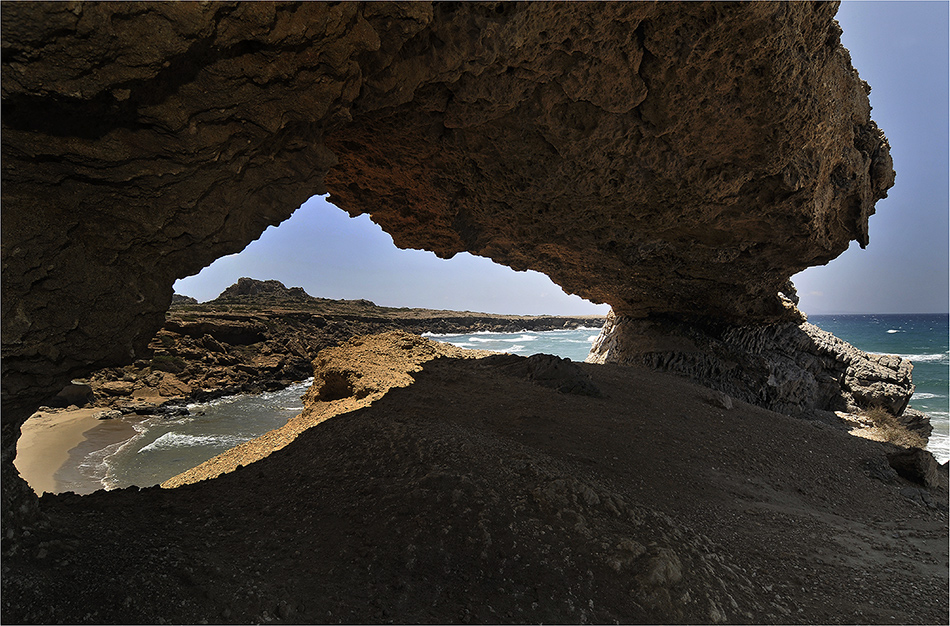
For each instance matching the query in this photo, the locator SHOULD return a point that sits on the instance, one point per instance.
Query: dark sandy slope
(476, 495)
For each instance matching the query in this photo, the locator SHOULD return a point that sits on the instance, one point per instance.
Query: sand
(45, 441)
(51, 441)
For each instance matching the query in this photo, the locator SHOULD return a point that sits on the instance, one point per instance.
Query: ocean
(569, 344)
(922, 338)
(164, 447)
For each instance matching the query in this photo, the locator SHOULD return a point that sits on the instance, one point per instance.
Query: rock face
(790, 368)
(671, 159)
(665, 158)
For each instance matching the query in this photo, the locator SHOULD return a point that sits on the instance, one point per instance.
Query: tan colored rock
(171, 386)
(346, 378)
(117, 388)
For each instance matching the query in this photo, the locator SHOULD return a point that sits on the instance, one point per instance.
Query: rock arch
(673, 160)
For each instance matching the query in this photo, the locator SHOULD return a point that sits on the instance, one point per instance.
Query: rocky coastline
(453, 487)
(794, 368)
(262, 336)
(678, 161)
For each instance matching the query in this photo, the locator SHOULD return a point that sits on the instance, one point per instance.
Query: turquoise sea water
(164, 447)
(925, 340)
(921, 338)
(570, 344)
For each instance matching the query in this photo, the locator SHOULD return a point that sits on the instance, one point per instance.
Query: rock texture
(679, 159)
(796, 369)
(347, 377)
(476, 496)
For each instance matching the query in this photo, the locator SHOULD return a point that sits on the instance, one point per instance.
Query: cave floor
(477, 496)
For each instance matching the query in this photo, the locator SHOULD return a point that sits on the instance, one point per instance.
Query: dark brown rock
(915, 465)
(260, 291)
(666, 158)
(72, 395)
(675, 159)
(548, 370)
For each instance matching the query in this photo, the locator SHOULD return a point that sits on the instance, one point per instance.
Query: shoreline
(70, 477)
(45, 442)
(474, 455)
(52, 445)
(74, 452)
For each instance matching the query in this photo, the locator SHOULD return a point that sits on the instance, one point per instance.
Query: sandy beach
(49, 439)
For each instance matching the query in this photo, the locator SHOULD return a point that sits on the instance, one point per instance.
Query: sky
(901, 48)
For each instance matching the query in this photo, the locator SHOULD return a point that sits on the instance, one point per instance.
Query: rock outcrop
(261, 292)
(671, 159)
(796, 369)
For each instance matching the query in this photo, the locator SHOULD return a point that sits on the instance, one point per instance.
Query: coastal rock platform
(791, 368)
(477, 495)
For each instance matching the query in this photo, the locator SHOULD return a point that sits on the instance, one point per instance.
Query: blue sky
(900, 48)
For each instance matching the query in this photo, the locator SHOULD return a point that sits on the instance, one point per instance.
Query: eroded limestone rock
(792, 368)
(676, 158)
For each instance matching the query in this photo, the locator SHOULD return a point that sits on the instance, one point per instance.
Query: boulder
(793, 368)
(548, 370)
(72, 395)
(916, 465)
(170, 387)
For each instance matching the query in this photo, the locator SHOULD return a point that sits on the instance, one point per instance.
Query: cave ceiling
(670, 159)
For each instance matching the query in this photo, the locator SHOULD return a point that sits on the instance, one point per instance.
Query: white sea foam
(939, 445)
(99, 466)
(927, 358)
(180, 440)
(517, 339)
(523, 330)
(516, 348)
(923, 395)
(592, 338)
(892, 331)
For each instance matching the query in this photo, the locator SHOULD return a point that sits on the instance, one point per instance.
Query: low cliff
(792, 368)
